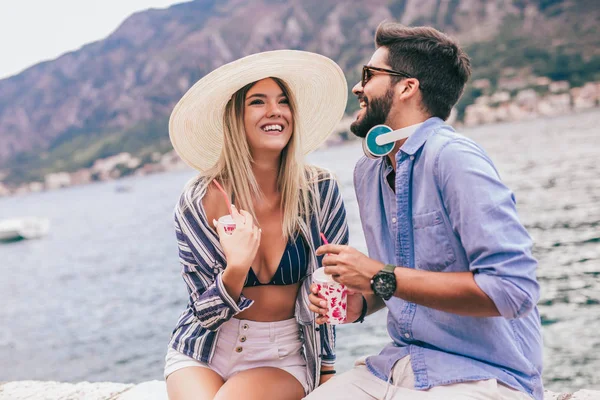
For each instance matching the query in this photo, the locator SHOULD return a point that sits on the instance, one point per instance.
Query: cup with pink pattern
(228, 223)
(334, 293)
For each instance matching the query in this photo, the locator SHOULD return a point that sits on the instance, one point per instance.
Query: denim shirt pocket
(433, 251)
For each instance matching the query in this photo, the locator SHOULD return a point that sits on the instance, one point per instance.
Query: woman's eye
(284, 101)
(257, 101)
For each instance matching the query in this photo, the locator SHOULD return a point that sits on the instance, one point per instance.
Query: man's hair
(432, 57)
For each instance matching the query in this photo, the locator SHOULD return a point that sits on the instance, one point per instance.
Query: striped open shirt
(203, 262)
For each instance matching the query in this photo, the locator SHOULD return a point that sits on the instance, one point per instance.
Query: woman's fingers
(220, 229)
(247, 218)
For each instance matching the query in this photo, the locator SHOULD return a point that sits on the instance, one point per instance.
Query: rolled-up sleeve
(211, 303)
(482, 211)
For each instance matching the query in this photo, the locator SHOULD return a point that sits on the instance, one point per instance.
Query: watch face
(384, 285)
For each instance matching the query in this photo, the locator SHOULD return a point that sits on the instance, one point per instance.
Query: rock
(153, 390)
(35, 390)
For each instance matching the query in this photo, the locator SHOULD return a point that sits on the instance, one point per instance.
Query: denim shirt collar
(420, 136)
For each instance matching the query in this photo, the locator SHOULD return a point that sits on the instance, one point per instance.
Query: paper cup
(228, 223)
(334, 293)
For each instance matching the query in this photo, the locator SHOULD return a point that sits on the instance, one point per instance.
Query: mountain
(116, 94)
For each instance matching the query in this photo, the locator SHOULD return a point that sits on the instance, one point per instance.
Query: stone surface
(152, 390)
(35, 390)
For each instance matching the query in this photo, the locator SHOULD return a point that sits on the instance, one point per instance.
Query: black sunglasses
(367, 73)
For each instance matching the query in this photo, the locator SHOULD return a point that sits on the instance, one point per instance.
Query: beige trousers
(360, 384)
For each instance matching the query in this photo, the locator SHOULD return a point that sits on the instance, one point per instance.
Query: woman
(247, 331)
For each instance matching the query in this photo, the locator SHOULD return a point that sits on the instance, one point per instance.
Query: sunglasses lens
(366, 75)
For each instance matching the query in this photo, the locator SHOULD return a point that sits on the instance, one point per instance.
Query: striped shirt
(210, 305)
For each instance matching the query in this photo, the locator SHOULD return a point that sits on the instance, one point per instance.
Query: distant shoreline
(123, 165)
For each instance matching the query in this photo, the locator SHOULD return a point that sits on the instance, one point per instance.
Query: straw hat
(317, 83)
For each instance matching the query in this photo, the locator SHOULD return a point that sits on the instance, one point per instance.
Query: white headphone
(380, 141)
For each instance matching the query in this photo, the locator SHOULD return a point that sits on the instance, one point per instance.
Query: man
(448, 255)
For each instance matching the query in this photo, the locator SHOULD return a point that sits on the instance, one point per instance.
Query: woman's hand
(319, 306)
(241, 245)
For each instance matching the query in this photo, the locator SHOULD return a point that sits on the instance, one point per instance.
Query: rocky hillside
(116, 94)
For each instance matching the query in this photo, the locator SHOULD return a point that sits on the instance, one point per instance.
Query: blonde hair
(234, 172)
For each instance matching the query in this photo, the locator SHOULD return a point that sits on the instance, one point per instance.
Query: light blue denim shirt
(451, 212)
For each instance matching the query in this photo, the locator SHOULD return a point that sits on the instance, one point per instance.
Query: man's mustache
(363, 98)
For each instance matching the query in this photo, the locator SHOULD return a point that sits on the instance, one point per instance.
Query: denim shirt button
(394, 220)
(407, 335)
(412, 158)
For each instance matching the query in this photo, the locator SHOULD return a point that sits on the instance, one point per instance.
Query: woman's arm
(210, 300)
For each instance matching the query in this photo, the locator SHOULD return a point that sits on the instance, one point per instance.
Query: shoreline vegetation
(518, 99)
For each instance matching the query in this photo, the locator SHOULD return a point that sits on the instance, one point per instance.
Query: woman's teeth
(268, 128)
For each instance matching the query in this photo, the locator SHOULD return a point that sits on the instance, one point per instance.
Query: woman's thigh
(193, 383)
(261, 383)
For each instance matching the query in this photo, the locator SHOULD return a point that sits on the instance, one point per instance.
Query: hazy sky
(37, 30)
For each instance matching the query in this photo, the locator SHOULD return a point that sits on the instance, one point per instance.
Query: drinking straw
(224, 195)
(323, 238)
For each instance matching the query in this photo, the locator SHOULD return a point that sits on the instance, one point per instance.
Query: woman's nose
(274, 110)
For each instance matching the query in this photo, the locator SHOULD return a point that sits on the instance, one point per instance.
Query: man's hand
(319, 306)
(350, 267)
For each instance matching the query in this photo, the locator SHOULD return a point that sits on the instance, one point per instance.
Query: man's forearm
(453, 292)
(374, 303)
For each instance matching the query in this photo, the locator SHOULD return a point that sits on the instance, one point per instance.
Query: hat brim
(317, 83)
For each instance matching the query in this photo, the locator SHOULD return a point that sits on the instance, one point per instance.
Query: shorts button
(238, 349)
(245, 327)
(243, 339)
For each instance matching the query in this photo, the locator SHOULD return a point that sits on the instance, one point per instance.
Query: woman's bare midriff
(271, 302)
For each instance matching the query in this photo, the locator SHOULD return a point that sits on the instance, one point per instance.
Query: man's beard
(376, 113)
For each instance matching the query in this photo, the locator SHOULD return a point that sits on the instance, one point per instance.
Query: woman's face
(268, 118)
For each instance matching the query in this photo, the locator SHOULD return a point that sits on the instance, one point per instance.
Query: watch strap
(389, 268)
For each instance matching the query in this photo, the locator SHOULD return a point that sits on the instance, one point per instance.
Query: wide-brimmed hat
(317, 84)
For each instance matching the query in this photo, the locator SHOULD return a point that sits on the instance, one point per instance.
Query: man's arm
(454, 292)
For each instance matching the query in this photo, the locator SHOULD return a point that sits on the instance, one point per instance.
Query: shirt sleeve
(335, 228)
(482, 211)
(333, 222)
(209, 300)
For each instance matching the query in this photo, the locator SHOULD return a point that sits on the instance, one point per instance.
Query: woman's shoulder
(193, 196)
(319, 175)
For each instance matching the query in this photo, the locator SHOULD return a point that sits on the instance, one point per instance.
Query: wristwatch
(383, 283)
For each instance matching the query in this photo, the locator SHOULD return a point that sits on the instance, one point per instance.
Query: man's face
(375, 98)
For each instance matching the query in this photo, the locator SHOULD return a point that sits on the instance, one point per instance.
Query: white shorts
(243, 345)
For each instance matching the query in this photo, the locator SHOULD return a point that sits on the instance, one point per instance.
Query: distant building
(81, 177)
(500, 97)
(35, 187)
(3, 190)
(559, 86)
(57, 180)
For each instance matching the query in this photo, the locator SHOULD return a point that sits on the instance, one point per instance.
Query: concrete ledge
(152, 390)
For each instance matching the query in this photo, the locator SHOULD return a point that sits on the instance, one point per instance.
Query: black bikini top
(292, 267)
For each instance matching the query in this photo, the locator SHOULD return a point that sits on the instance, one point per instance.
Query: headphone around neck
(380, 141)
